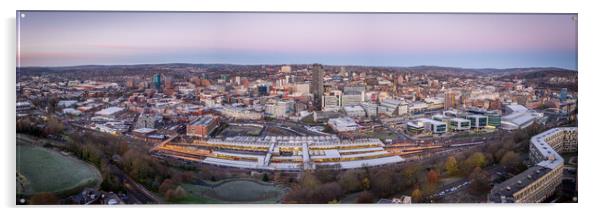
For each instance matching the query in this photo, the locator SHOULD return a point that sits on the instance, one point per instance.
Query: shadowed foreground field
(44, 170)
(233, 191)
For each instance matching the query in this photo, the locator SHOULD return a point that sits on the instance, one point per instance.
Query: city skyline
(453, 40)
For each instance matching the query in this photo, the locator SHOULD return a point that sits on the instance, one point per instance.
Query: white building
(343, 124)
(331, 101)
(512, 108)
(354, 98)
(389, 107)
(459, 124)
(239, 113)
(370, 109)
(302, 89)
(477, 121)
(66, 103)
(278, 109)
(110, 111)
(71, 111)
(520, 120)
(354, 111)
(434, 126)
(286, 69)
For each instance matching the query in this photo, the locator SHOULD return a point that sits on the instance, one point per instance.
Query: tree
(476, 159)
(480, 183)
(309, 181)
(410, 174)
(499, 154)
(451, 166)
(366, 183)
(511, 161)
(54, 126)
(326, 193)
(350, 181)
(323, 193)
(382, 183)
(44, 199)
(365, 197)
(166, 185)
(417, 195)
(432, 177)
(175, 194)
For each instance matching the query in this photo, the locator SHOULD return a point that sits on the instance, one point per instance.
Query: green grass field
(232, 191)
(234, 130)
(44, 170)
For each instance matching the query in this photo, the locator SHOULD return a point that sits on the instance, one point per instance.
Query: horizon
(471, 41)
(293, 64)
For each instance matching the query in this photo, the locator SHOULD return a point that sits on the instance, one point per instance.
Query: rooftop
(203, 120)
(110, 111)
(504, 191)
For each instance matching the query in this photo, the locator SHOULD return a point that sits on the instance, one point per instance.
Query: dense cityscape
(295, 133)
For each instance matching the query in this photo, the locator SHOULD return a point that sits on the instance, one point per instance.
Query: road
(134, 190)
(463, 183)
(137, 193)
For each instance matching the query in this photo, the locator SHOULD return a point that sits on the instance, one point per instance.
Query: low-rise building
(344, 124)
(110, 111)
(477, 121)
(540, 181)
(459, 124)
(202, 126)
(354, 111)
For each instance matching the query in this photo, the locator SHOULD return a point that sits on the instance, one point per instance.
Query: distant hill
(521, 72)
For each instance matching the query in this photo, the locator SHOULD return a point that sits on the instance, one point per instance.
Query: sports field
(233, 191)
(44, 170)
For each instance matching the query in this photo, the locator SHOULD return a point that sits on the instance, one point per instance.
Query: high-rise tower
(157, 81)
(317, 85)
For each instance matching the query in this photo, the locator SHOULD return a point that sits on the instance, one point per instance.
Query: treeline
(420, 179)
(39, 127)
(112, 154)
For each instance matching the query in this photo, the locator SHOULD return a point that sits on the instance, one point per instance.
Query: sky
(372, 39)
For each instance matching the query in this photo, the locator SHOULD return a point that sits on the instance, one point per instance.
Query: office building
(459, 124)
(317, 85)
(286, 69)
(540, 181)
(331, 101)
(202, 126)
(344, 124)
(352, 98)
(477, 121)
(370, 108)
(354, 111)
(157, 81)
(563, 94)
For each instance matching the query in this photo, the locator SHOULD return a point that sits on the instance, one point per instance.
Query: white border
(590, 78)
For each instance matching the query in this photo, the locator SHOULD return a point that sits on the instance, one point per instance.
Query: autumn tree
(410, 174)
(366, 183)
(451, 166)
(511, 161)
(479, 181)
(175, 194)
(365, 197)
(416, 195)
(382, 183)
(432, 177)
(166, 185)
(309, 181)
(326, 193)
(476, 159)
(350, 180)
(44, 199)
(54, 126)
